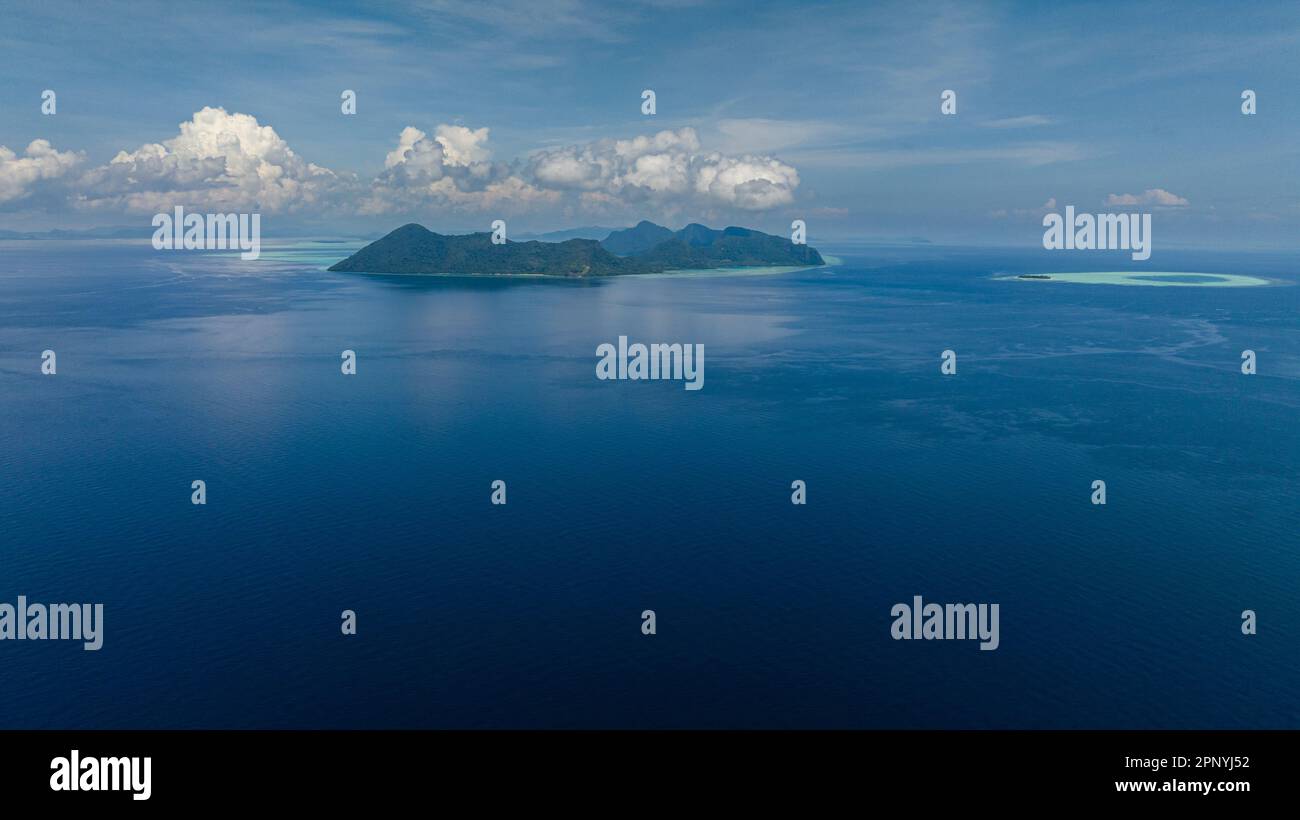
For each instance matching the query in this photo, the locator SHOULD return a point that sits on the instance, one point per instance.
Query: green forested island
(646, 248)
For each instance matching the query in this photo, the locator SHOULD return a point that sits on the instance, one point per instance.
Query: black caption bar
(145, 769)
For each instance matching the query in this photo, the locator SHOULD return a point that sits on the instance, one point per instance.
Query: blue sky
(766, 112)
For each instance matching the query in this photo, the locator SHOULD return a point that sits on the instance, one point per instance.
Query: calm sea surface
(371, 493)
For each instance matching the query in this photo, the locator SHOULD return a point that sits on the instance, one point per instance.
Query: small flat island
(1193, 279)
(643, 249)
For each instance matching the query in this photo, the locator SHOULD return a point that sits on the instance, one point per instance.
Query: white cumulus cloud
(218, 161)
(40, 162)
(1151, 196)
(667, 167)
(450, 170)
(461, 145)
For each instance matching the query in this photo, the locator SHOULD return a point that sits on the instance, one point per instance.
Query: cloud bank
(219, 161)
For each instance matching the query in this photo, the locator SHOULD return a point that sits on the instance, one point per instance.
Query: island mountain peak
(644, 236)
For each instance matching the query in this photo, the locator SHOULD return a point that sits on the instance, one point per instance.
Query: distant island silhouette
(644, 248)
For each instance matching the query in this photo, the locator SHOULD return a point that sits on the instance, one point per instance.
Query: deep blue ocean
(372, 493)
